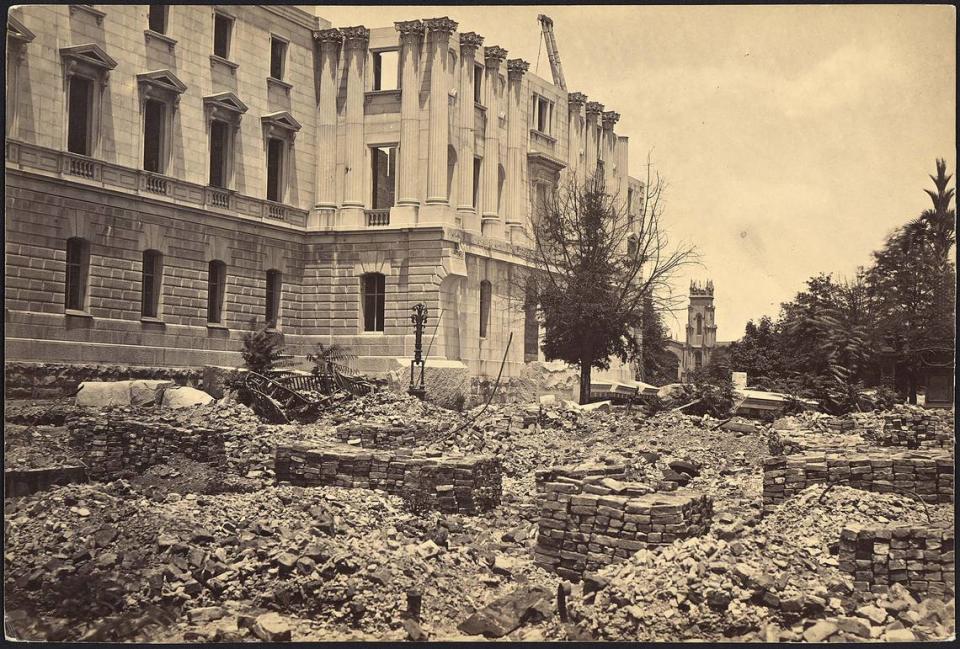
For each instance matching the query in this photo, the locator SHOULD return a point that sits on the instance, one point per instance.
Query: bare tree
(593, 262)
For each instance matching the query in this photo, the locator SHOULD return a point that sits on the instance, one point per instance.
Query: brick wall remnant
(919, 558)
(380, 436)
(119, 440)
(929, 474)
(589, 523)
(466, 484)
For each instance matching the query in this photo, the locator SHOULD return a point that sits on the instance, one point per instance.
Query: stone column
(515, 215)
(355, 41)
(437, 208)
(608, 119)
(575, 147)
(325, 203)
(491, 225)
(594, 109)
(408, 200)
(469, 218)
(623, 169)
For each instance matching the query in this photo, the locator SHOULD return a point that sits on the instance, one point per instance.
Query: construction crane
(547, 24)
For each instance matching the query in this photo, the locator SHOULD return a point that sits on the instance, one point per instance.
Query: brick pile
(451, 484)
(112, 442)
(915, 430)
(919, 558)
(927, 473)
(377, 435)
(594, 521)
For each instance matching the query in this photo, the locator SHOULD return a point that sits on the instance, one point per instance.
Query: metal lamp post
(419, 319)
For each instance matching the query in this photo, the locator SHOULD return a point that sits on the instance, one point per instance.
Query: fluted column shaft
(326, 185)
(469, 42)
(411, 37)
(494, 56)
(575, 102)
(611, 167)
(593, 113)
(355, 47)
(439, 30)
(514, 215)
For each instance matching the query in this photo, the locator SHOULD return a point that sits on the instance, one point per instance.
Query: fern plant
(329, 360)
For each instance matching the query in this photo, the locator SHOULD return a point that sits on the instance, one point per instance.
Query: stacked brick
(915, 430)
(921, 559)
(594, 521)
(450, 484)
(929, 474)
(116, 441)
(377, 435)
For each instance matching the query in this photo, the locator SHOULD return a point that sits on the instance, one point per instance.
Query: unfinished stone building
(174, 172)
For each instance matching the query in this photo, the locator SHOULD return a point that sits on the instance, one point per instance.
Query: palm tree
(332, 359)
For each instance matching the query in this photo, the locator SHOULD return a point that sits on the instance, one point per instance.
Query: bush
(261, 350)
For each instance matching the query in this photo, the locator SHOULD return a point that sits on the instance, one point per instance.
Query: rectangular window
(275, 170)
(477, 166)
(478, 84)
(219, 143)
(543, 114)
(385, 68)
(274, 288)
(151, 283)
(278, 52)
(77, 265)
(153, 120)
(158, 19)
(222, 27)
(80, 117)
(374, 300)
(384, 161)
(216, 285)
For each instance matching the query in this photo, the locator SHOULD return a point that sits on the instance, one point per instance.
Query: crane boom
(552, 54)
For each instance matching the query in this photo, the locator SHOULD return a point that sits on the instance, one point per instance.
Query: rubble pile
(921, 558)
(119, 441)
(926, 473)
(37, 447)
(465, 484)
(38, 413)
(778, 581)
(915, 430)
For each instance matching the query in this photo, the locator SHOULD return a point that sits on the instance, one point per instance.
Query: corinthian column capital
(516, 68)
(470, 41)
(576, 100)
(494, 56)
(409, 28)
(610, 118)
(328, 36)
(594, 108)
(356, 37)
(441, 25)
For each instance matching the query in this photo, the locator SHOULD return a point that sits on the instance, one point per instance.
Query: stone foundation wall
(51, 381)
(113, 442)
(450, 484)
(921, 559)
(379, 436)
(581, 530)
(929, 474)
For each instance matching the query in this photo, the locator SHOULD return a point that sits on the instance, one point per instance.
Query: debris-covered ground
(185, 551)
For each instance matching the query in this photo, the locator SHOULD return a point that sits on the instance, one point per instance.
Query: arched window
(485, 291)
(699, 324)
(216, 285)
(78, 267)
(373, 301)
(151, 283)
(698, 359)
(274, 291)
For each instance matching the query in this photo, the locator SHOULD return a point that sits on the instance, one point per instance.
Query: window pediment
(280, 124)
(90, 58)
(161, 84)
(18, 31)
(225, 105)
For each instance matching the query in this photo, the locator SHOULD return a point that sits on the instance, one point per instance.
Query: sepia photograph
(479, 322)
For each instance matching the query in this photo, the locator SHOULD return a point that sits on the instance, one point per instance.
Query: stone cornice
(470, 41)
(576, 99)
(409, 28)
(516, 68)
(494, 55)
(441, 25)
(594, 108)
(325, 36)
(610, 118)
(357, 36)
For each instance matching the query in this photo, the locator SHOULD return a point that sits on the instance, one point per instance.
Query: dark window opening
(531, 326)
(697, 359)
(81, 107)
(385, 69)
(485, 289)
(632, 246)
(278, 50)
(478, 84)
(274, 286)
(275, 170)
(153, 118)
(222, 26)
(219, 134)
(77, 267)
(216, 285)
(374, 301)
(158, 19)
(151, 282)
(543, 109)
(384, 161)
(699, 324)
(477, 166)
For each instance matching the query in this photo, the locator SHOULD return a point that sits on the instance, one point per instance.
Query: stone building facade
(176, 173)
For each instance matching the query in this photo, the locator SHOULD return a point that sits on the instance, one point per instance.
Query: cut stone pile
(915, 430)
(778, 581)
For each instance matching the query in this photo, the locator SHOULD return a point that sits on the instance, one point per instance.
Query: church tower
(701, 328)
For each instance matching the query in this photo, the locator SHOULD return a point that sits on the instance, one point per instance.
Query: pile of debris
(36, 447)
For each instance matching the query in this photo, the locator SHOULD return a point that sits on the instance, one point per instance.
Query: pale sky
(793, 138)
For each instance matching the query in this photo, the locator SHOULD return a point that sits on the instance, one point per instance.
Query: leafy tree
(262, 349)
(713, 387)
(657, 364)
(759, 353)
(594, 264)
